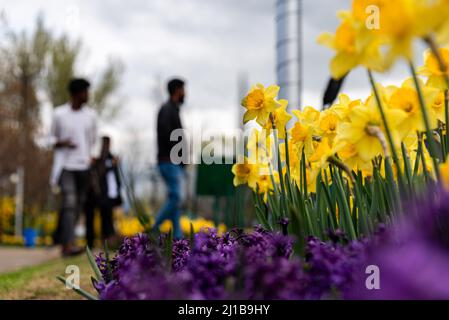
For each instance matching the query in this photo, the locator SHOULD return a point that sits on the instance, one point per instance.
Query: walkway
(14, 258)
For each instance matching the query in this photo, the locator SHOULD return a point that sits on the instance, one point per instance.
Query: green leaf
(93, 264)
(407, 167)
(262, 219)
(192, 235)
(80, 291)
(169, 249)
(343, 205)
(108, 261)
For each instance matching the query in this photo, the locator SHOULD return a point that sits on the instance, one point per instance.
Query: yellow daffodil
(344, 106)
(397, 24)
(322, 153)
(406, 99)
(294, 153)
(260, 102)
(280, 117)
(312, 173)
(309, 115)
(353, 45)
(328, 123)
(432, 70)
(437, 107)
(245, 173)
(433, 20)
(348, 153)
(302, 136)
(265, 184)
(365, 130)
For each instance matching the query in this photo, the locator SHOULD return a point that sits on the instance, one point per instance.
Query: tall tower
(289, 51)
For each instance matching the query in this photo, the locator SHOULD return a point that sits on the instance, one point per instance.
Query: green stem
(443, 68)
(281, 176)
(388, 131)
(340, 164)
(287, 153)
(446, 118)
(429, 135)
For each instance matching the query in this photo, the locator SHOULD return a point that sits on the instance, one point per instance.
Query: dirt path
(15, 258)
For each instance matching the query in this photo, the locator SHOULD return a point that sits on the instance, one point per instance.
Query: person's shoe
(72, 252)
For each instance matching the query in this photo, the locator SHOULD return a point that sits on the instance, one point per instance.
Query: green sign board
(214, 180)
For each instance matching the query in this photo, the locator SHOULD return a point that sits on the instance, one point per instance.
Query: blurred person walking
(168, 119)
(104, 193)
(74, 129)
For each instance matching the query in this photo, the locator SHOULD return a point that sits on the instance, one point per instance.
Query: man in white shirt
(74, 129)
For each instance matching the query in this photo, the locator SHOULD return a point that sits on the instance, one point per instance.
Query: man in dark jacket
(104, 193)
(168, 120)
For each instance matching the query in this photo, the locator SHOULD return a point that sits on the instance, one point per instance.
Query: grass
(40, 283)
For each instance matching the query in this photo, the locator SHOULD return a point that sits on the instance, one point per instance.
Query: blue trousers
(172, 174)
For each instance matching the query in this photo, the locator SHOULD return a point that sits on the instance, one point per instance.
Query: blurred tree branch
(107, 85)
(63, 55)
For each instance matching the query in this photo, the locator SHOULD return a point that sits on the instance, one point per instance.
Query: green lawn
(39, 282)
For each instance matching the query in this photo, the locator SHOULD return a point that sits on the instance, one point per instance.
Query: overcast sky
(207, 42)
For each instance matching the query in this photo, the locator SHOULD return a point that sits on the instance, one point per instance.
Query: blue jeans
(171, 173)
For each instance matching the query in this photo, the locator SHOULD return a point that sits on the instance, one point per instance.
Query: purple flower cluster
(331, 266)
(413, 257)
(236, 265)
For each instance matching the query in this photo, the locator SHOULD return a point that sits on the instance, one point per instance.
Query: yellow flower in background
(11, 239)
(398, 25)
(128, 226)
(353, 45)
(245, 173)
(432, 19)
(431, 68)
(396, 16)
(374, 33)
(260, 102)
(198, 225)
(280, 117)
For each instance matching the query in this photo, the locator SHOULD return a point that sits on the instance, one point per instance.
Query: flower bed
(261, 265)
(236, 265)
